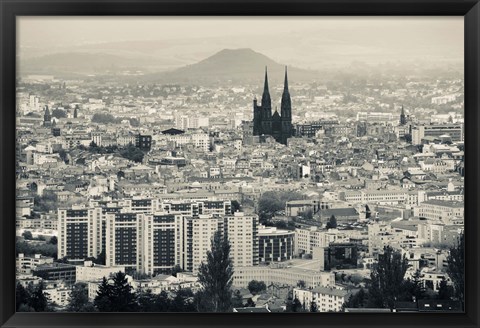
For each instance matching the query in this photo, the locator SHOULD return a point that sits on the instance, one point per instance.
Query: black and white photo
(240, 164)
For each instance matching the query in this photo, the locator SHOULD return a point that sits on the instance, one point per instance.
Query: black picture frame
(470, 9)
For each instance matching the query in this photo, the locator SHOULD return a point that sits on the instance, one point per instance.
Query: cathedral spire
(265, 86)
(286, 104)
(266, 100)
(285, 84)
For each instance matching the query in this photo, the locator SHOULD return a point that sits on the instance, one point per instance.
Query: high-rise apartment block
(154, 235)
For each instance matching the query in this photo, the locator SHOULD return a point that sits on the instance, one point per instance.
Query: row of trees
(272, 202)
(107, 118)
(94, 148)
(27, 235)
(132, 153)
(31, 299)
(387, 282)
(48, 249)
(117, 295)
(215, 276)
(46, 202)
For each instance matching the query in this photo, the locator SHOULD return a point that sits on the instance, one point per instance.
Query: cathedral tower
(266, 107)
(47, 118)
(277, 125)
(403, 119)
(286, 111)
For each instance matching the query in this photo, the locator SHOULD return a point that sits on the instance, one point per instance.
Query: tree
(63, 155)
(271, 202)
(117, 296)
(53, 240)
(79, 299)
(105, 118)
(368, 212)
(103, 300)
(100, 258)
(250, 303)
(123, 297)
(25, 308)
(27, 235)
(416, 288)
(456, 267)
(132, 153)
(215, 276)
(255, 287)
(21, 296)
(38, 300)
(176, 269)
(183, 301)
(235, 206)
(387, 278)
(356, 279)
(147, 301)
(313, 306)
(289, 303)
(297, 305)
(162, 302)
(357, 300)
(301, 284)
(237, 300)
(46, 202)
(445, 292)
(332, 222)
(29, 249)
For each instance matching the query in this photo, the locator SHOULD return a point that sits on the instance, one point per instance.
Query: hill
(231, 65)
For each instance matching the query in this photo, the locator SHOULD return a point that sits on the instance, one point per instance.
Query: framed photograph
(261, 163)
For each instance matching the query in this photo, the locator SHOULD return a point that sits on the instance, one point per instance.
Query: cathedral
(279, 126)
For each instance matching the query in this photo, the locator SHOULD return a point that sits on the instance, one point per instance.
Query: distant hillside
(77, 62)
(234, 65)
(226, 66)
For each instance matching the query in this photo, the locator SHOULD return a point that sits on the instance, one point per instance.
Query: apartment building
(328, 299)
(439, 210)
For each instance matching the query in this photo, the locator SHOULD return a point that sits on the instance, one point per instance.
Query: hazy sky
(301, 41)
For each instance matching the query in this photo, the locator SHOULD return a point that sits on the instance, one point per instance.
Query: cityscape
(221, 177)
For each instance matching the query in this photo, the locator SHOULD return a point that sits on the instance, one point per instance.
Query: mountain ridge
(241, 65)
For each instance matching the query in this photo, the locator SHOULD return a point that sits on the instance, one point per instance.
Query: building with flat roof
(56, 271)
(93, 272)
(328, 299)
(439, 210)
(275, 245)
(297, 207)
(27, 263)
(454, 130)
(282, 275)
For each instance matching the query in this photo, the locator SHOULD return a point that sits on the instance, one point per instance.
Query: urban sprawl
(139, 188)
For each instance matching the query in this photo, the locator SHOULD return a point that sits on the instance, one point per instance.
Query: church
(279, 126)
